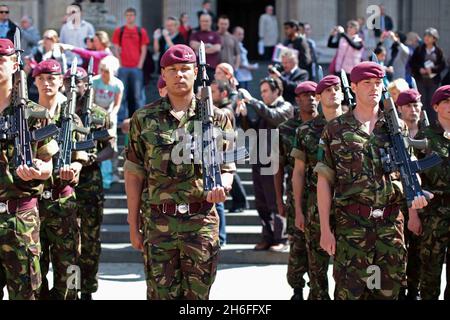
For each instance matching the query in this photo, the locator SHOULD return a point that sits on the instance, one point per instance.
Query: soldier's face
(331, 97)
(8, 66)
(48, 84)
(180, 78)
(307, 102)
(411, 112)
(443, 110)
(368, 92)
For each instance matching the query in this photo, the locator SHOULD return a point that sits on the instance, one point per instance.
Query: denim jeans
(220, 207)
(133, 93)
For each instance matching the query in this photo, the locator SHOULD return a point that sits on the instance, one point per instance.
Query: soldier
(433, 223)
(330, 94)
(60, 230)
(20, 189)
(265, 116)
(179, 234)
(298, 259)
(369, 250)
(89, 191)
(409, 106)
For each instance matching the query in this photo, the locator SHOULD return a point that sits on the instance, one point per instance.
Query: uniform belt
(57, 193)
(182, 209)
(17, 205)
(370, 212)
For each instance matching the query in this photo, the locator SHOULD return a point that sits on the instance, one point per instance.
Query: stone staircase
(243, 229)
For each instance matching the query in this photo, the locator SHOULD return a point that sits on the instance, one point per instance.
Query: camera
(275, 68)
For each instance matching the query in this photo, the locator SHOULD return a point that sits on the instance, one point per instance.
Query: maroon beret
(81, 74)
(366, 70)
(306, 86)
(6, 47)
(161, 83)
(178, 53)
(408, 96)
(48, 66)
(328, 81)
(441, 94)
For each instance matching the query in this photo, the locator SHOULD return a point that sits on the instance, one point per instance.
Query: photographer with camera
(291, 75)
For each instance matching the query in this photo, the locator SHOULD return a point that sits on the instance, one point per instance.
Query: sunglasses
(4, 12)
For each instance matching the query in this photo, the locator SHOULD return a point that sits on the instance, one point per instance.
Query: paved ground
(233, 282)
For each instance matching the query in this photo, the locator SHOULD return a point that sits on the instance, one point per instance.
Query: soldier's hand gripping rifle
(397, 157)
(211, 157)
(16, 127)
(86, 118)
(347, 90)
(66, 139)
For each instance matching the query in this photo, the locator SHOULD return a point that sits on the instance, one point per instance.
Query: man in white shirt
(268, 31)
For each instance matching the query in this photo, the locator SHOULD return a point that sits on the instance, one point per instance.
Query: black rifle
(15, 127)
(211, 158)
(347, 90)
(397, 157)
(86, 117)
(68, 126)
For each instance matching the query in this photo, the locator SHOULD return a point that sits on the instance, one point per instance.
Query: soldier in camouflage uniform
(298, 259)
(369, 250)
(60, 230)
(434, 221)
(410, 106)
(20, 188)
(179, 237)
(330, 95)
(89, 191)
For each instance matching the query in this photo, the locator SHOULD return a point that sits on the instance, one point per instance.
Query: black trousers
(274, 226)
(238, 194)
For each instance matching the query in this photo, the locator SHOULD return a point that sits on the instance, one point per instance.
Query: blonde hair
(111, 64)
(400, 84)
(103, 38)
(52, 34)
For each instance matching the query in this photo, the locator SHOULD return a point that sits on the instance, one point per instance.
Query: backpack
(149, 64)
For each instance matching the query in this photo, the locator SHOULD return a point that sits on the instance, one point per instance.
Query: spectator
(307, 31)
(348, 46)
(291, 76)
(368, 37)
(298, 42)
(266, 114)
(7, 27)
(185, 29)
(213, 43)
(427, 63)
(244, 71)
(398, 56)
(386, 23)
(30, 35)
(108, 92)
(101, 49)
(268, 32)
(230, 52)
(396, 87)
(135, 40)
(381, 52)
(75, 30)
(206, 9)
(225, 72)
(167, 37)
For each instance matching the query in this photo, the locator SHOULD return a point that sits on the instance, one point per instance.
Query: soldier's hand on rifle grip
(420, 202)
(27, 174)
(216, 195)
(328, 242)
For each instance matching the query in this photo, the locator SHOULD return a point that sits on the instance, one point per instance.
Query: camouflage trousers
(435, 243)
(60, 240)
(298, 259)
(318, 259)
(370, 258)
(180, 254)
(20, 249)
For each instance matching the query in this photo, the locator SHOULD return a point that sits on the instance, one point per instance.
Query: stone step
(229, 254)
(119, 187)
(235, 234)
(118, 201)
(246, 218)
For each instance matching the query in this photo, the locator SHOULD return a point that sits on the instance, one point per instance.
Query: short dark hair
(77, 4)
(301, 25)
(205, 2)
(379, 49)
(224, 16)
(291, 24)
(274, 84)
(223, 85)
(132, 10)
